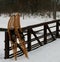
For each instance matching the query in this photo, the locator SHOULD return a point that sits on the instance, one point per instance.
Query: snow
(47, 53)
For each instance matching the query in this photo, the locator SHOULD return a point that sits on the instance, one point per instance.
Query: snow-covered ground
(47, 53)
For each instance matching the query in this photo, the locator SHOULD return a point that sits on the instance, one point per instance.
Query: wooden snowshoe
(12, 36)
(18, 32)
(14, 32)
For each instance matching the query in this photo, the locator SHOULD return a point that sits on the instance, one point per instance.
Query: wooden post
(45, 33)
(57, 29)
(6, 45)
(29, 39)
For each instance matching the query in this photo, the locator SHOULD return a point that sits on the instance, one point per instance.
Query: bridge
(47, 31)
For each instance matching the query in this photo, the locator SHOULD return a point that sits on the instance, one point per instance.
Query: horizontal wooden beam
(3, 29)
(40, 24)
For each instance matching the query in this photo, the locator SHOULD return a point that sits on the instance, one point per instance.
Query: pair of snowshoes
(15, 33)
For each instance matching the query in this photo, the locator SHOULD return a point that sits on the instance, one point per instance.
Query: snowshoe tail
(14, 48)
(22, 43)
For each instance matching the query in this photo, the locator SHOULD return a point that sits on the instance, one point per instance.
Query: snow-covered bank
(27, 21)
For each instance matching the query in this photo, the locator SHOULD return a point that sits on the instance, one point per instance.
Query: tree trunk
(54, 10)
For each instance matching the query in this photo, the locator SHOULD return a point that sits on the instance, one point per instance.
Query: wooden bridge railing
(46, 32)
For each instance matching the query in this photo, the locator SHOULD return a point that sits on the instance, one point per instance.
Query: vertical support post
(29, 39)
(6, 45)
(45, 33)
(57, 29)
